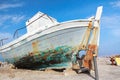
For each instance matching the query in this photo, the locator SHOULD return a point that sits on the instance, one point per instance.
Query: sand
(106, 72)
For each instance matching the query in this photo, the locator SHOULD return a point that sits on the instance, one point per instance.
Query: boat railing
(2, 41)
(15, 35)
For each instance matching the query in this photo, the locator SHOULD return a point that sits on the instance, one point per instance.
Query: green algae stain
(48, 58)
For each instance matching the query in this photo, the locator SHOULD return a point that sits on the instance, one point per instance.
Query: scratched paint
(58, 57)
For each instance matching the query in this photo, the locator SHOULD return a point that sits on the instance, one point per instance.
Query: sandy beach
(106, 72)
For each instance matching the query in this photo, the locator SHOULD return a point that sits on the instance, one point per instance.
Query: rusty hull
(60, 56)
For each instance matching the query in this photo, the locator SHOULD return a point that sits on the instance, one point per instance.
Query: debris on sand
(115, 60)
(6, 65)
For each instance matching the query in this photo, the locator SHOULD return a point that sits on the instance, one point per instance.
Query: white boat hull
(54, 47)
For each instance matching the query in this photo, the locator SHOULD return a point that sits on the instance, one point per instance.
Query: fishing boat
(50, 44)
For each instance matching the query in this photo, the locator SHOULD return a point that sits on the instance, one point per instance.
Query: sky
(14, 14)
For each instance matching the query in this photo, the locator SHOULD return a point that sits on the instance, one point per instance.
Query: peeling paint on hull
(49, 44)
(53, 50)
(55, 58)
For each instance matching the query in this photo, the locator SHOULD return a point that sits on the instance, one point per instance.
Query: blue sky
(14, 13)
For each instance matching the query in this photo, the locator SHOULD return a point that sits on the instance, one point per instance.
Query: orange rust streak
(35, 47)
(90, 24)
(87, 62)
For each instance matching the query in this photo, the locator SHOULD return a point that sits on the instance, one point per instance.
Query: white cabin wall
(34, 24)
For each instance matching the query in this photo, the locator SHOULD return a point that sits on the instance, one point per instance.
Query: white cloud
(11, 19)
(4, 18)
(8, 6)
(115, 4)
(116, 32)
(110, 22)
(17, 18)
